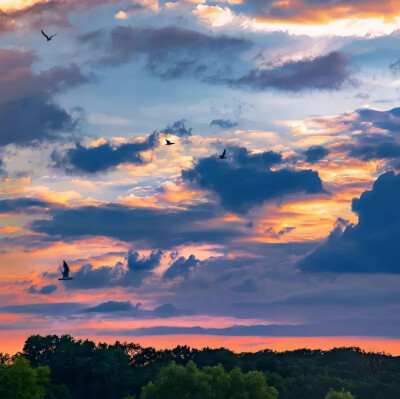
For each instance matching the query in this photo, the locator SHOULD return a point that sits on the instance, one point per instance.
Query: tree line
(61, 367)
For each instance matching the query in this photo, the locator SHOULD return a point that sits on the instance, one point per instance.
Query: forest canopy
(61, 367)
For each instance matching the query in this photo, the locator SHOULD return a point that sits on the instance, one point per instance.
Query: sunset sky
(292, 241)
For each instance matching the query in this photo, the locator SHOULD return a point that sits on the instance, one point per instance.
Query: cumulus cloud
(28, 113)
(245, 181)
(102, 157)
(370, 246)
(181, 267)
(315, 153)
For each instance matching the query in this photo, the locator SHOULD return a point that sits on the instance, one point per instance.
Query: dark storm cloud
(181, 267)
(149, 227)
(244, 181)
(46, 290)
(223, 123)
(28, 113)
(315, 153)
(102, 157)
(323, 72)
(370, 246)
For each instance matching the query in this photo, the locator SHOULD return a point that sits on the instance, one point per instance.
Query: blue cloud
(315, 153)
(46, 290)
(181, 267)
(223, 123)
(148, 227)
(370, 246)
(241, 183)
(103, 157)
(110, 306)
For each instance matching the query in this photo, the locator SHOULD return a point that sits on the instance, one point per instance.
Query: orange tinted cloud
(297, 11)
(10, 229)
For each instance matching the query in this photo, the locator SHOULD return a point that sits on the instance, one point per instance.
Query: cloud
(55, 13)
(245, 181)
(313, 11)
(340, 328)
(370, 246)
(87, 277)
(31, 120)
(322, 72)
(247, 286)
(178, 128)
(135, 311)
(223, 123)
(103, 157)
(46, 309)
(28, 113)
(140, 268)
(25, 205)
(147, 227)
(46, 290)
(315, 153)
(169, 52)
(110, 306)
(181, 267)
(277, 234)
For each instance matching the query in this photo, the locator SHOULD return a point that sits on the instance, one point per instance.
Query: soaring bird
(65, 273)
(47, 37)
(168, 142)
(222, 156)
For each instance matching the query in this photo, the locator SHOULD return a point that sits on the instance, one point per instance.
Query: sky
(290, 242)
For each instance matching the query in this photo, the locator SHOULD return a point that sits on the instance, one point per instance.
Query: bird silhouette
(222, 156)
(47, 37)
(168, 142)
(65, 273)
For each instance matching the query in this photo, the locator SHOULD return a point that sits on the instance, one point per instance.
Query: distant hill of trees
(60, 367)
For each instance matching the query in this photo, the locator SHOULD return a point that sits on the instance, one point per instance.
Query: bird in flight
(65, 273)
(223, 155)
(47, 37)
(168, 142)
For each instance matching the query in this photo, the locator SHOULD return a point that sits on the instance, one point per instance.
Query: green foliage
(175, 381)
(339, 395)
(103, 371)
(19, 380)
